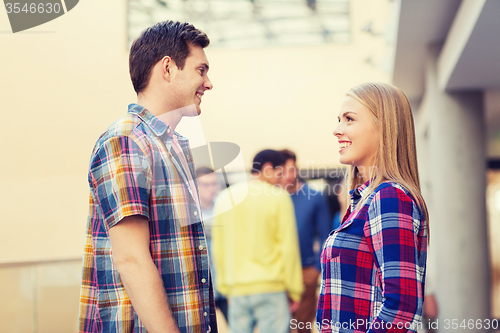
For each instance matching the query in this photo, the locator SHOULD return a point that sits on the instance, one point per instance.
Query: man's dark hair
(289, 155)
(167, 38)
(272, 156)
(202, 171)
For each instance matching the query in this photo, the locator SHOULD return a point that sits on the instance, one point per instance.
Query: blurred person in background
(256, 251)
(342, 194)
(374, 264)
(146, 260)
(313, 225)
(208, 187)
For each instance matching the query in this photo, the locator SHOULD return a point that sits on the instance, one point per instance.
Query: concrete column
(421, 118)
(458, 221)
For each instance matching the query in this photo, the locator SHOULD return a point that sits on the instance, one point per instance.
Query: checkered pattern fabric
(373, 265)
(135, 171)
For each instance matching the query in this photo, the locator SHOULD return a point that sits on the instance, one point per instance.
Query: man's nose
(208, 84)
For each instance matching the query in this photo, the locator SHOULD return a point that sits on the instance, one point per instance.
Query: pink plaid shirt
(373, 265)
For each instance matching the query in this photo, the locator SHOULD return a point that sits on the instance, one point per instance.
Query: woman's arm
(397, 239)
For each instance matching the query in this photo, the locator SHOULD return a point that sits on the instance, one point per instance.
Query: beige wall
(41, 298)
(64, 82)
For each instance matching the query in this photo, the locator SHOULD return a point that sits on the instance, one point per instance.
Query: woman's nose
(338, 130)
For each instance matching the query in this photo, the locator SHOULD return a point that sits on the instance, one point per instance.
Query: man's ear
(266, 167)
(166, 65)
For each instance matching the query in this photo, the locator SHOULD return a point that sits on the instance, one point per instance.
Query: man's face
(192, 81)
(289, 177)
(208, 187)
(272, 175)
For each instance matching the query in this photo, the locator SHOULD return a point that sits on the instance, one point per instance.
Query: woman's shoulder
(391, 185)
(393, 203)
(391, 190)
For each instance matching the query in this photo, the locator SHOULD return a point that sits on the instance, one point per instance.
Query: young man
(256, 251)
(313, 225)
(146, 263)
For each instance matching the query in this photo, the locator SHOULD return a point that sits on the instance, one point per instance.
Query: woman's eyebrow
(346, 113)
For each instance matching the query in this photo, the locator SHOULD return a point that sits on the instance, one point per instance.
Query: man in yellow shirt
(256, 251)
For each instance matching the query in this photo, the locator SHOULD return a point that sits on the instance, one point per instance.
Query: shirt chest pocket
(346, 242)
(332, 250)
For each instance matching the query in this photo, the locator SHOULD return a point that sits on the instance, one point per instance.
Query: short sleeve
(120, 178)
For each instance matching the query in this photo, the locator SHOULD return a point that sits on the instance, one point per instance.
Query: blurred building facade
(65, 81)
(446, 61)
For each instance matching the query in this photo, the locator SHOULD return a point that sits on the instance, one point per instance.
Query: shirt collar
(157, 126)
(360, 191)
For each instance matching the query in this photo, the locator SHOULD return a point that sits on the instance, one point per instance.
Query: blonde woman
(373, 265)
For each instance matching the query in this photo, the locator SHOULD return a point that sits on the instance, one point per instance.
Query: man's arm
(289, 242)
(139, 275)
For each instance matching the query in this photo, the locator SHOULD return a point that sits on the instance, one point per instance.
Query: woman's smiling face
(357, 134)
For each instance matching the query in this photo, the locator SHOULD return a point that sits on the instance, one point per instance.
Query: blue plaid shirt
(135, 171)
(373, 265)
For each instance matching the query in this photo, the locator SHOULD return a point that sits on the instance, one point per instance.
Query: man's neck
(259, 177)
(171, 118)
(161, 111)
(294, 188)
(206, 205)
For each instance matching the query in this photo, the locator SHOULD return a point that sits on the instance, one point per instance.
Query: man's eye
(202, 71)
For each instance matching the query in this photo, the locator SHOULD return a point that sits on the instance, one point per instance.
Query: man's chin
(190, 111)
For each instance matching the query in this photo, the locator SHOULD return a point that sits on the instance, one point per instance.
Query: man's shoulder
(126, 125)
(236, 189)
(130, 126)
(277, 194)
(266, 190)
(253, 191)
(309, 193)
(225, 198)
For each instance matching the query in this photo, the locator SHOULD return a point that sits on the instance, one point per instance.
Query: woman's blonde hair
(396, 157)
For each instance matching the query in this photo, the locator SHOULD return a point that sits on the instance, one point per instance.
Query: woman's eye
(349, 119)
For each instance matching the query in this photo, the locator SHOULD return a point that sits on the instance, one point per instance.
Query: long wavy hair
(396, 157)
